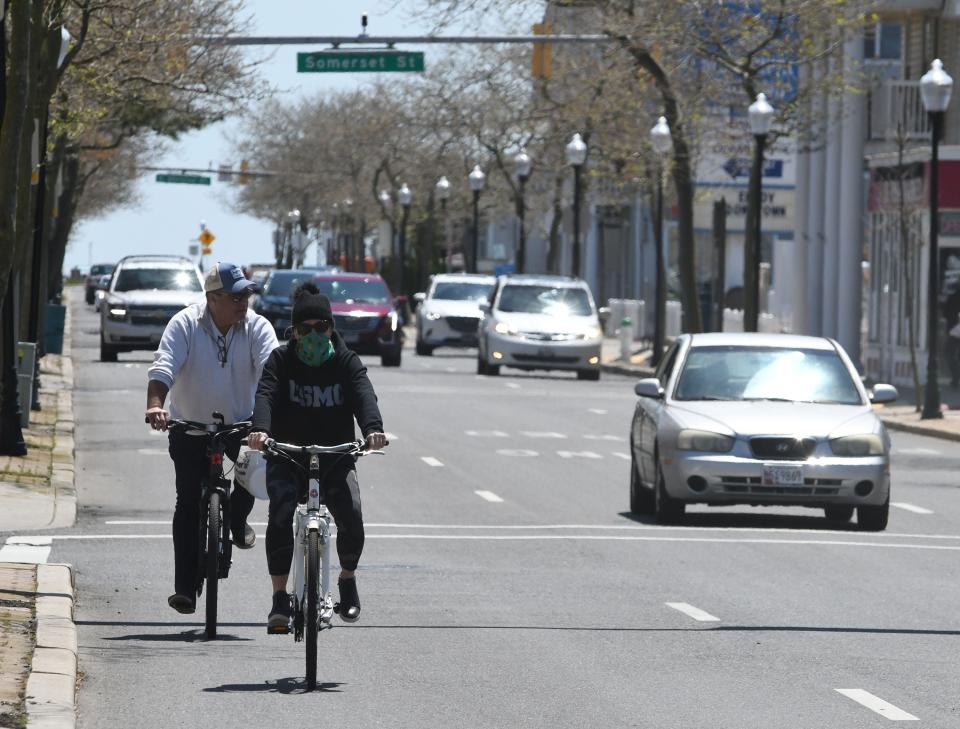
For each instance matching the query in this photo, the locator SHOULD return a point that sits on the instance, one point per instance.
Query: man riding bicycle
(209, 360)
(310, 392)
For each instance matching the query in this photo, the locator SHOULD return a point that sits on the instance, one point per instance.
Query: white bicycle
(313, 606)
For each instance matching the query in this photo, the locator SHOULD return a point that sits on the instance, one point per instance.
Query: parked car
(93, 279)
(448, 314)
(764, 420)
(143, 295)
(274, 302)
(540, 323)
(103, 283)
(365, 314)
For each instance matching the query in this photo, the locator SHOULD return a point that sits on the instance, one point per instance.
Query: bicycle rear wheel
(213, 566)
(313, 595)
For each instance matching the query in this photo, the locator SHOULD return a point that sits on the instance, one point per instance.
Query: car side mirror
(649, 387)
(883, 393)
(484, 307)
(419, 297)
(604, 313)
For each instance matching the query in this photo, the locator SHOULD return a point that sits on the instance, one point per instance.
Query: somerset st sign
(385, 61)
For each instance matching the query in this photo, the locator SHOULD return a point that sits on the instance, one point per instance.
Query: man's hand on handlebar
(156, 418)
(256, 440)
(376, 441)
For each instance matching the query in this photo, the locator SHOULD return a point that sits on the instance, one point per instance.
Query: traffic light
(244, 167)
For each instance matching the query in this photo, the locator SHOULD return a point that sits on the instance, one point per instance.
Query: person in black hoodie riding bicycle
(310, 392)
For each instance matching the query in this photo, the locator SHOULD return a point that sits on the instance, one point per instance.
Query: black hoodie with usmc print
(306, 405)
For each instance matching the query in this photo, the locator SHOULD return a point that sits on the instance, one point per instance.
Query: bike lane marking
(29, 550)
(877, 705)
(431, 461)
(489, 496)
(693, 612)
(910, 507)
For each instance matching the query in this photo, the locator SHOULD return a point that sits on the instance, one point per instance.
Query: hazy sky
(169, 215)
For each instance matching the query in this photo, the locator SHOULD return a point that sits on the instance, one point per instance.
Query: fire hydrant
(626, 338)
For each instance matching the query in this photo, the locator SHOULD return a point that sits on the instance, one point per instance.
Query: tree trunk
(62, 225)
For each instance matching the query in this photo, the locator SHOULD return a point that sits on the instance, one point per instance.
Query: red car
(365, 314)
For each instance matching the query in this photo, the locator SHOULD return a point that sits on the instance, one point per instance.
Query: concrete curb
(52, 685)
(622, 368)
(916, 429)
(63, 477)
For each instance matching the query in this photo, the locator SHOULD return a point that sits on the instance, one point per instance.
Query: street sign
(206, 237)
(740, 167)
(359, 61)
(207, 250)
(184, 179)
(193, 250)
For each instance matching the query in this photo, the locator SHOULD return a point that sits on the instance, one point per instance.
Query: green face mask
(314, 349)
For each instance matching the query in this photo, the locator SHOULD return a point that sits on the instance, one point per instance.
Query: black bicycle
(215, 545)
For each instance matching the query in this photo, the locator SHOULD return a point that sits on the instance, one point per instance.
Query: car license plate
(782, 476)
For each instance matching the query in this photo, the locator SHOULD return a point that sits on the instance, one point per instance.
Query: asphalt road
(504, 584)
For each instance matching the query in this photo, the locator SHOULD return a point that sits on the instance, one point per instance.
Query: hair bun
(307, 287)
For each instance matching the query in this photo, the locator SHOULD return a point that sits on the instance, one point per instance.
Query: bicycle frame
(312, 516)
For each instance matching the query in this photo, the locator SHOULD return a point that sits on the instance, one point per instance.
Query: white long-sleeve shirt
(188, 363)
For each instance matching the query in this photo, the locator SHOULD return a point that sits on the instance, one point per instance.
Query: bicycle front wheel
(313, 609)
(213, 562)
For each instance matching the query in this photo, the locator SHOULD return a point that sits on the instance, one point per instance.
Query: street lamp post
(661, 141)
(404, 197)
(935, 89)
(521, 164)
(760, 113)
(443, 194)
(477, 182)
(293, 220)
(576, 156)
(386, 202)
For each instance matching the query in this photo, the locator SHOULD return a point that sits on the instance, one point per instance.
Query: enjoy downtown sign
(360, 61)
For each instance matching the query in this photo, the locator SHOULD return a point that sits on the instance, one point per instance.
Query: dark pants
(341, 495)
(953, 359)
(191, 463)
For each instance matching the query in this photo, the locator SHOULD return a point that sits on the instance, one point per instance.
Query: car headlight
(431, 315)
(868, 444)
(117, 313)
(593, 333)
(704, 440)
(393, 319)
(503, 328)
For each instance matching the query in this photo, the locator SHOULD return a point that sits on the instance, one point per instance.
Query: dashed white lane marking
(489, 496)
(31, 550)
(578, 454)
(693, 612)
(431, 461)
(154, 522)
(517, 453)
(392, 436)
(594, 436)
(451, 369)
(916, 451)
(910, 507)
(487, 433)
(542, 434)
(153, 451)
(512, 385)
(597, 411)
(878, 705)
(624, 456)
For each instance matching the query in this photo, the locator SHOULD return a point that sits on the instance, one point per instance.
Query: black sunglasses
(319, 327)
(237, 298)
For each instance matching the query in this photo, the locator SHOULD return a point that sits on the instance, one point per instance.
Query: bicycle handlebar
(354, 448)
(208, 428)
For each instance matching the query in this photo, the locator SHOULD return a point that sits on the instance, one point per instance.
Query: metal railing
(896, 104)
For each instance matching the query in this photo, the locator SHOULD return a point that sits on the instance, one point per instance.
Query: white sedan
(764, 420)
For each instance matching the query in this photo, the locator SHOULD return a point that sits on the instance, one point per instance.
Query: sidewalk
(38, 644)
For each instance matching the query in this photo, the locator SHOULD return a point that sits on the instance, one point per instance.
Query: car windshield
(461, 291)
(283, 284)
(162, 279)
(100, 269)
(766, 374)
(555, 301)
(354, 290)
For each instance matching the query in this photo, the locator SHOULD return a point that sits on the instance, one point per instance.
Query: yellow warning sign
(206, 237)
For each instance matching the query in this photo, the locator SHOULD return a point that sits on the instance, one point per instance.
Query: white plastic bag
(251, 473)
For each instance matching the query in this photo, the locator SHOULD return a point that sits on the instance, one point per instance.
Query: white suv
(143, 295)
(449, 313)
(540, 323)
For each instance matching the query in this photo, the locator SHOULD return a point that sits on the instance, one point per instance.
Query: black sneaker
(349, 605)
(183, 604)
(279, 620)
(249, 537)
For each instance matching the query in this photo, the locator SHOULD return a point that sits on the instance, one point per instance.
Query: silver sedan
(764, 420)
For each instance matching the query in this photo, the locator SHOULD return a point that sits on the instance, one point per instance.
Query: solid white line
(910, 507)
(489, 496)
(878, 705)
(431, 461)
(916, 451)
(694, 612)
(29, 550)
